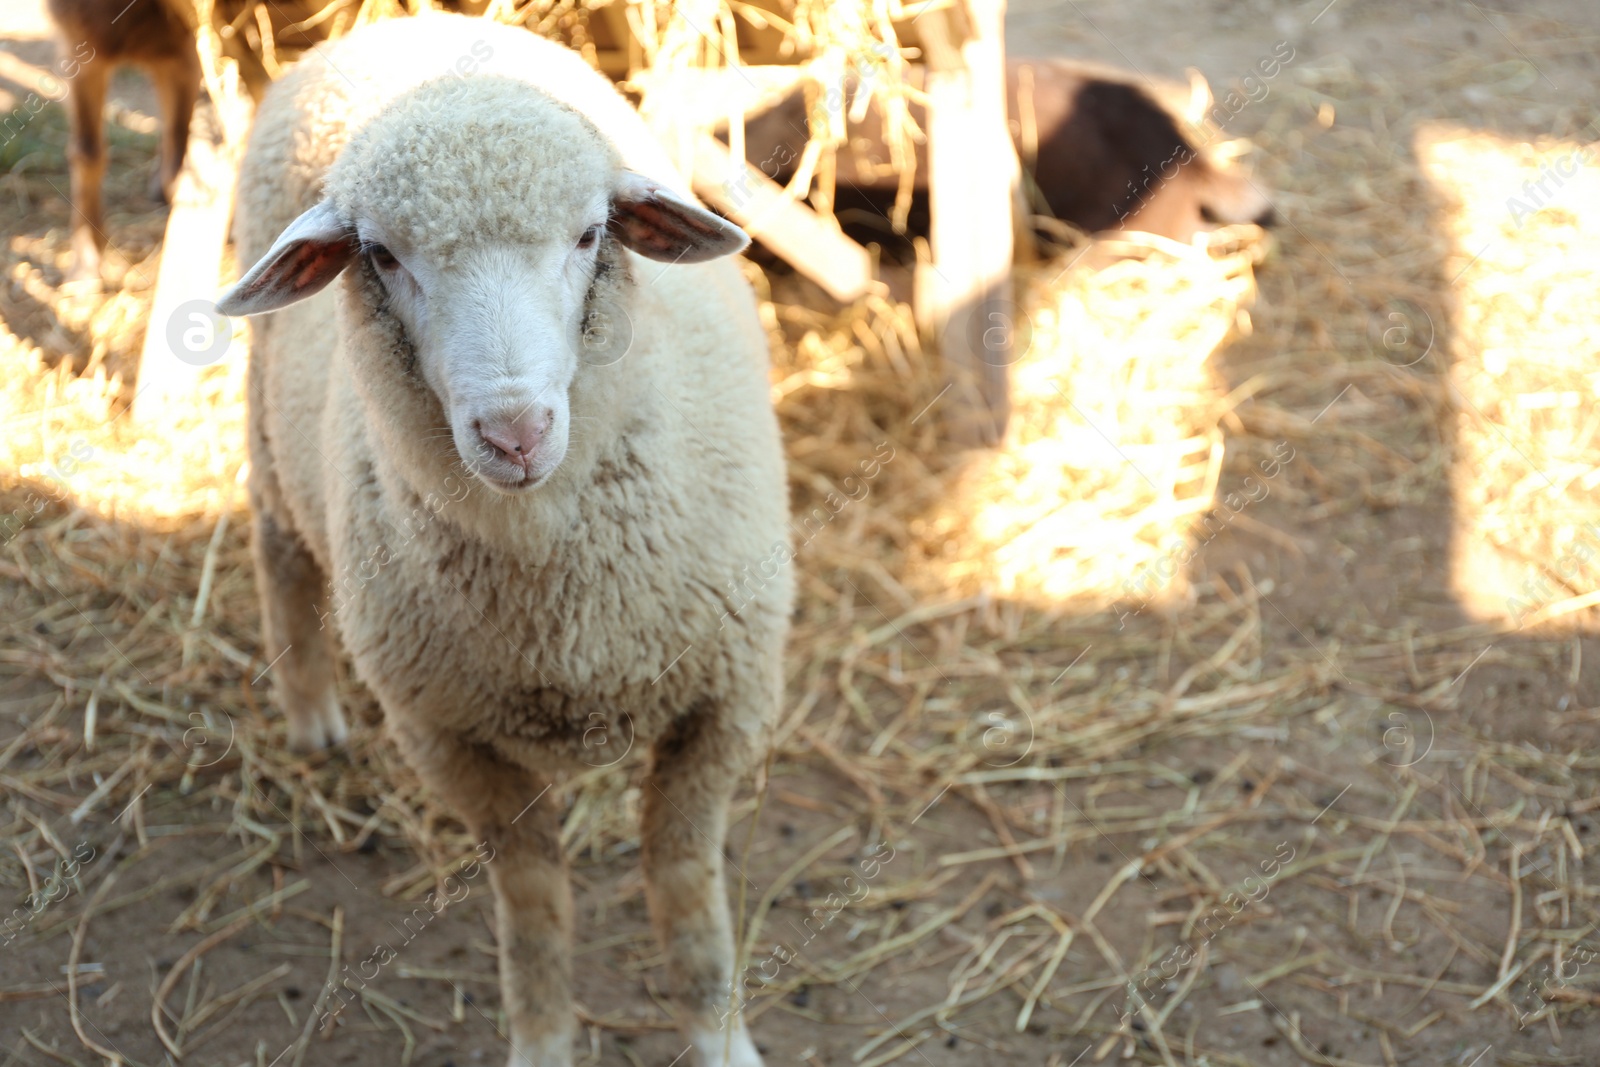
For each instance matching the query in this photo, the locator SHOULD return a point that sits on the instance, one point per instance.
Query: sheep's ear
(657, 223)
(305, 257)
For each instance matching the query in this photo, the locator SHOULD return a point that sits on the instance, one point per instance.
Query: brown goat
(95, 37)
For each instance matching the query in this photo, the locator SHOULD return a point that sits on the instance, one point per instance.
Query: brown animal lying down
(1100, 153)
(94, 37)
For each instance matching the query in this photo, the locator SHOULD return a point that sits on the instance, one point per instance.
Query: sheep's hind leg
(298, 645)
(519, 827)
(693, 772)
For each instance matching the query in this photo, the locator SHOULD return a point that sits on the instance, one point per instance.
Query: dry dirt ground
(1325, 809)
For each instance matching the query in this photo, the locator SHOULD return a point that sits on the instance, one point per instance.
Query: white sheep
(497, 325)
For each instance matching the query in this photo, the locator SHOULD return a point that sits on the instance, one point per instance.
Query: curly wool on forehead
(460, 161)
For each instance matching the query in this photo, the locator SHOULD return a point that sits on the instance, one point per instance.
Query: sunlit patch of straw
(1524, 366)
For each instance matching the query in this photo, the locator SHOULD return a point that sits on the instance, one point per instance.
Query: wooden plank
(815, 246)
(964, 295)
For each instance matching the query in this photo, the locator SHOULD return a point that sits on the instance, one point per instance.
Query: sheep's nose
(515, 438)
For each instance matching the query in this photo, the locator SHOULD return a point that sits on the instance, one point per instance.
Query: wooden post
(184, 331)
(815, 246)
(964, 295)
(1024, 248)
(624, 57)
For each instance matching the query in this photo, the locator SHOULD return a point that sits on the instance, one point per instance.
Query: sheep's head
(487, 222)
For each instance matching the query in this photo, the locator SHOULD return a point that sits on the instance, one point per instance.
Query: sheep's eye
(382, 258)
(590, 236)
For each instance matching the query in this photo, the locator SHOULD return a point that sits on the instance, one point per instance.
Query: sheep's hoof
(316, 725)
(715, 1048)
(554, 1050)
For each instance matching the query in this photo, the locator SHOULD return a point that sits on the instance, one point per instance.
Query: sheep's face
(494, 244)
(499, 335)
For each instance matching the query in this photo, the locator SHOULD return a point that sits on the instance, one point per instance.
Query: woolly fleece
(605, 599)
(411, 165)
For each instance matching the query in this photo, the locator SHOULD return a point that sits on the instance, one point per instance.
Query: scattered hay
(1076, 798)
(1116, 444)
(1114, 449)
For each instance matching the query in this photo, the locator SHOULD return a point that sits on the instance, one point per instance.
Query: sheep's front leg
(533, 913)
(693, 772)
(294, 610)
(507, 808)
